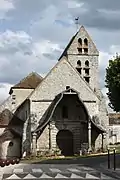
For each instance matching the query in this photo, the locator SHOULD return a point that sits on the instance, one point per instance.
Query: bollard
(108, 159)
(114, 159)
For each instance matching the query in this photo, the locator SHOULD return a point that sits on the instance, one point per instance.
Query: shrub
(110, 143)
(117, 143)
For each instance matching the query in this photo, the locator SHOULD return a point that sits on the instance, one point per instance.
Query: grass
(117, 148)
(55, 158)
(43, 159)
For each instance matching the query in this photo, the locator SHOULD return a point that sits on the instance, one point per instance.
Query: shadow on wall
(14, 148)
(10, 149)
(23, 112)
(26, 144)
(97, 140)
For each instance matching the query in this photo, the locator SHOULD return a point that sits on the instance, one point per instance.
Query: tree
(113, 83)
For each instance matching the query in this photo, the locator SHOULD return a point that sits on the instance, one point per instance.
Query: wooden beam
(43, 100)
(88, 101)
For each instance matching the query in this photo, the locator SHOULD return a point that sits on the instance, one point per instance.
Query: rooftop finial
(77, 22)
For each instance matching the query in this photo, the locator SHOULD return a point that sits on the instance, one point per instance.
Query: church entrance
(64, 141)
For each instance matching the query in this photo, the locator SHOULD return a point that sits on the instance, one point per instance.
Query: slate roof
(7, 118)
(6, 135)
(29, 82)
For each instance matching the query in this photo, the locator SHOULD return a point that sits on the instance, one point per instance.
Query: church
(63, 112)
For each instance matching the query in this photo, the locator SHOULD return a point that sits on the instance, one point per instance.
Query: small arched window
(86, 42)
(87, 63)
(79, 63)
(11, 143)
(80, 41)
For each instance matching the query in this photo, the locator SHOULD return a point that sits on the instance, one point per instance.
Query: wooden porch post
(50, 143)
(102, 141)
(34, 145)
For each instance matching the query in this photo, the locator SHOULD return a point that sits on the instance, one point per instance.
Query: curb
(111, 171)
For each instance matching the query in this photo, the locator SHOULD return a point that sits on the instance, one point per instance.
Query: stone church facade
(65, 111)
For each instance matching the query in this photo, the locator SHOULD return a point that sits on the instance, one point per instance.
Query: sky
(33, 34)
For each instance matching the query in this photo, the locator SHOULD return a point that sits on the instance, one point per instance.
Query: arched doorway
(64, 141)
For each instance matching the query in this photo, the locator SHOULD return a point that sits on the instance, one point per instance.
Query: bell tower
(82, 53)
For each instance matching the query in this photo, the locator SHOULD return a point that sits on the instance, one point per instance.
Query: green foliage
(113, 83)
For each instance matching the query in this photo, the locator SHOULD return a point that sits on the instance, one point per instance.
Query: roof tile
(29, 82)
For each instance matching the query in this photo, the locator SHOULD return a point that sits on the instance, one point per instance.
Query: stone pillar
(34, 144)
(89, 136)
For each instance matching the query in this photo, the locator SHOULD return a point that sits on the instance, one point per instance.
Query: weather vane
(77, 22)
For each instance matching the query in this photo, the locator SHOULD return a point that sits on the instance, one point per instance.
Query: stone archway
(64, 140)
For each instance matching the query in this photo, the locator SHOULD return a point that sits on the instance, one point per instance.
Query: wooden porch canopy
(49, 113)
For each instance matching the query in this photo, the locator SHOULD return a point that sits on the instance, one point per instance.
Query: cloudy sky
(33, 33)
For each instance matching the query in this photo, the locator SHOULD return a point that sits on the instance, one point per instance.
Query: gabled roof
(7, 118)
(72, 39)
(29, 82)
(63, 59)
(67, 47)
(6, 135)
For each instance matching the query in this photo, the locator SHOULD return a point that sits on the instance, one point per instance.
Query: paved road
(82, 168)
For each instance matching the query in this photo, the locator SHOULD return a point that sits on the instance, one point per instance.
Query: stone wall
(74, 45)
(103, 117)
(37, 111)
(19, 96)
(56, 81)
(93, 65)
(4, 149)
(63, 75)
(43, 140)
(92, 57)
(114, 133)
(15, 99)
